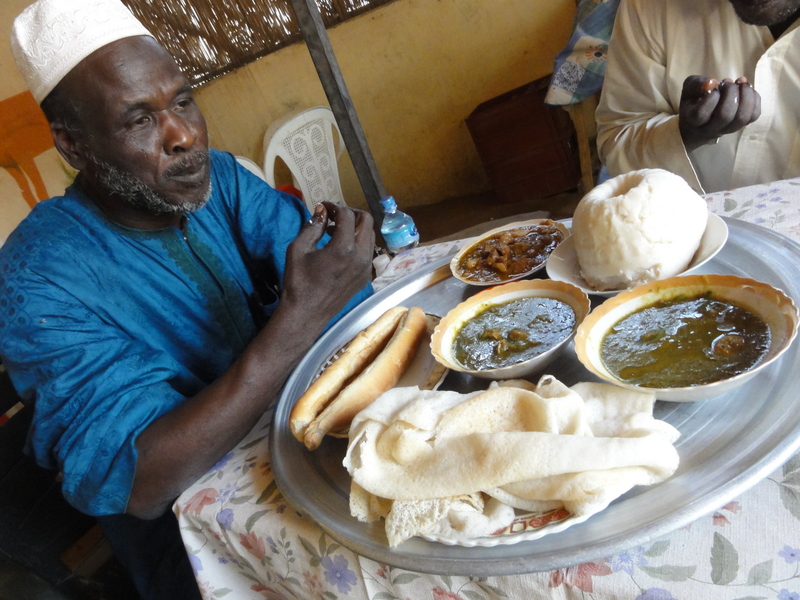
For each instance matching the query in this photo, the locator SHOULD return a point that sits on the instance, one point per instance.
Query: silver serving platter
(727, 444)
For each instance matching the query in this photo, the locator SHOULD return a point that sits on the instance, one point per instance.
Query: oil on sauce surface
(509, 333)
(685, 342)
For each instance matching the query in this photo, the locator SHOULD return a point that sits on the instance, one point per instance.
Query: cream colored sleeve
(637, 124)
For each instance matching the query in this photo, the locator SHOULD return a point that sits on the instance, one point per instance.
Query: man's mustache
(188, 164)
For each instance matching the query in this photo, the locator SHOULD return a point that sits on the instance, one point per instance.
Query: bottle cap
(388, 203)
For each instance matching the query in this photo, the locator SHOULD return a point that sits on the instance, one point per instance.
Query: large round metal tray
(727, 444)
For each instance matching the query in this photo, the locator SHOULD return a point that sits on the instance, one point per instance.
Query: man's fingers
(728, 106)
(365, 232)
(352, 236)
(756, 104)
(698, 113)
(739, 106)
(320, 215)
(711, 108)
(364, 220)
(697, 86)
(751, 99)
(344, 219)
(312, 230)
(709, 85)
(699, 99)
(749, 108)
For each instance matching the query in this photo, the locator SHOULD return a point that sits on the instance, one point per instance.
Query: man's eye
(185, 102)
(139, 121)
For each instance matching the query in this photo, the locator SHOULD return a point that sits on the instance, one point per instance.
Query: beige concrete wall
(414, 68)
(54, 172)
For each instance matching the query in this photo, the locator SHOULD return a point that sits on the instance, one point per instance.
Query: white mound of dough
(637, 227)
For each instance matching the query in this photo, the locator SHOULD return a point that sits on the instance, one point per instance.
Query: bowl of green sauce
(687, 338)
(510, 331)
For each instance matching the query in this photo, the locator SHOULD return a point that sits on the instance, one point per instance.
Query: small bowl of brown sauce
(510, 331)
(687, 338)
(508, 253)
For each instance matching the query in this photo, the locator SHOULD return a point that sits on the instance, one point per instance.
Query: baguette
(360, 352)
(378, 377)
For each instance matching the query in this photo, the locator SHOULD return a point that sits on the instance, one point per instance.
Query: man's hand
(710, 109)
(319, 282)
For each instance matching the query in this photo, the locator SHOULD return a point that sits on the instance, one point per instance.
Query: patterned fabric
(50, 37)
(245, 542)
(108, 327)
(580, 67)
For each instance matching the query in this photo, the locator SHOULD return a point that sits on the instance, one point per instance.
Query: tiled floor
(109, 582)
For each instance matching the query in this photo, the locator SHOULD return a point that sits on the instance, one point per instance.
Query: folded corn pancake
(414, 453)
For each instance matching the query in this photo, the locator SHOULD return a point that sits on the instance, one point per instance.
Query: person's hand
(319, 282)
(710, 109)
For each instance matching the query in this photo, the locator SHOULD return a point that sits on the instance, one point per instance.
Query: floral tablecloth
(245, 542)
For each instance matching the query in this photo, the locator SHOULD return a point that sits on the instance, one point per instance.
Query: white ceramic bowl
(776, 309)
(521, 225)
(444, 334)
(563, 262)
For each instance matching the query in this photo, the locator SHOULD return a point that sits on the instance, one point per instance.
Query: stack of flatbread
(457, 465)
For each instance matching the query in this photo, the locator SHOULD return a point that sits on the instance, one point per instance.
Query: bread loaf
(359, 353)
(381, 375)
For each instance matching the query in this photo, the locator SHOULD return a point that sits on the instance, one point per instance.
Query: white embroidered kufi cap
(50, 37)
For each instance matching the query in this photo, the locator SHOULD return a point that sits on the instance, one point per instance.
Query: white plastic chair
(305, 142)
(251, 166)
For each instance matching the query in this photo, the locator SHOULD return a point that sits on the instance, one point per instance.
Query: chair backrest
(306, 143)
(251, 166)
(582, 115)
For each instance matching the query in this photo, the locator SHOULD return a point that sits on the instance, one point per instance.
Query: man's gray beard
(776, 19)
(138, 194)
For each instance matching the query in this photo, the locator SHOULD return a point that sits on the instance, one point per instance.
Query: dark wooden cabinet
(528, 149)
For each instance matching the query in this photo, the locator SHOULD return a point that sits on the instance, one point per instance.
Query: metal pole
(319, 46)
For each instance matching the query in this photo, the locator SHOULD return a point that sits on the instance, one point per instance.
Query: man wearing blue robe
(152, 313)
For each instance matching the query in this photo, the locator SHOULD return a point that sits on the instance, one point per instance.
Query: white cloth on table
(656, 44)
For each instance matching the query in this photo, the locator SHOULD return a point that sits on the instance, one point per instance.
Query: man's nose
(179, 135)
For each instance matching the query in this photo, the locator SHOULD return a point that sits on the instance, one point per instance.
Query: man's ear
(69, 145)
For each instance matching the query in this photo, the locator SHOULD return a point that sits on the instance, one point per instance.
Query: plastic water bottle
(398, 229)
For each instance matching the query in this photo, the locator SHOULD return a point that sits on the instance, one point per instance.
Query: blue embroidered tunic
(107, 328)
